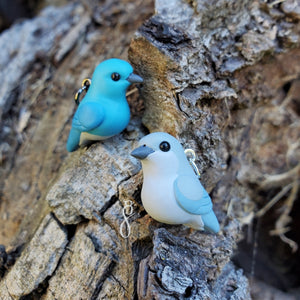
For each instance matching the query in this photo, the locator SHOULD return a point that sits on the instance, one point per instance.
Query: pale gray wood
(215, 77)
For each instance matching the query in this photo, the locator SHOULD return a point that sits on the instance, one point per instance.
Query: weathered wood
(37, 262)
(31, 158)
(182, 267)
(221, 76)
(108, 166)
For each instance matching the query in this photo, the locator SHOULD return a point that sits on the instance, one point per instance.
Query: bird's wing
(191, 195)
(88, 116)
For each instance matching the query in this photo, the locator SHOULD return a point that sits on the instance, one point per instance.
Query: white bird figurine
(171, 192)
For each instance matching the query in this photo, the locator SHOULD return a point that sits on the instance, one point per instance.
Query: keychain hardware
(84, 87)
(127, 212)
(191, 156)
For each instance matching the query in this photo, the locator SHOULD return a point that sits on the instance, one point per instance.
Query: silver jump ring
(191, 156)
(84, 86)
(127, 212)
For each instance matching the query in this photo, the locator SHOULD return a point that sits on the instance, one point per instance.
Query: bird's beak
(142, 152)
(134, 78)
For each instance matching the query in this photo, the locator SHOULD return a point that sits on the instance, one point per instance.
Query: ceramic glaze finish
(104, 111)
(162, 205)
(171, 191)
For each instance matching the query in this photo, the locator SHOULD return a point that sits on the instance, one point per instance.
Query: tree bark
(220, 76)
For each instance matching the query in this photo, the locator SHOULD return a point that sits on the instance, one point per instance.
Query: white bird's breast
(159, 200)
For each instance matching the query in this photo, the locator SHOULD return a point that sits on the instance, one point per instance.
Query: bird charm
(171, 191)
(104, 111)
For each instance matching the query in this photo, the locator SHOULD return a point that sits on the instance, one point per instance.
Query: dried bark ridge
(121, 256)
(179, 101)
(233, 114)
(45, 92)
(195, 55)
(35, 105)
(42, 32)
(97, 263)
(195, 266)
(37, 262)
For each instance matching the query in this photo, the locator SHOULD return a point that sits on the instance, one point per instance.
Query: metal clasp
(191, 156)
(84, 87)
(127, 212)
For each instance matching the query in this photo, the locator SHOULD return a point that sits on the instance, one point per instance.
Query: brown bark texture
(222, 77)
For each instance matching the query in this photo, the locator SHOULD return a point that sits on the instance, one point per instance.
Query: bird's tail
(73, 140)
(211, 222)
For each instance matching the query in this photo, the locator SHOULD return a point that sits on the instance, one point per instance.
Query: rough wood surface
(220, 76)
(38, 260)
(223, 77)
(35, 127)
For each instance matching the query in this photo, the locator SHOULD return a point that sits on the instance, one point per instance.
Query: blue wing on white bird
(193, 198)
(191, 195)
(87, 117)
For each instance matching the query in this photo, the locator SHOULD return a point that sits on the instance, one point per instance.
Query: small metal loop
(191, 156)
(127, 212)
(84, 87)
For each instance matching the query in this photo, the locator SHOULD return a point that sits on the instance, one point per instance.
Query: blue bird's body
(104, 111)
(171, 191)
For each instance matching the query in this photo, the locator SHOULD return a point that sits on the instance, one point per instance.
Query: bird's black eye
(115, 76)
(164, 146)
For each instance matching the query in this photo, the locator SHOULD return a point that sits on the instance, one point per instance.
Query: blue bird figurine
(171, 192)
(104, 111)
